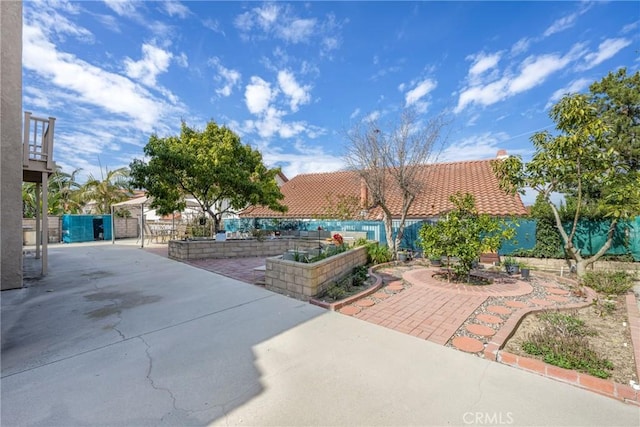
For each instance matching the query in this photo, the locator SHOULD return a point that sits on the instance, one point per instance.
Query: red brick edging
(608, 388)
(339, 304)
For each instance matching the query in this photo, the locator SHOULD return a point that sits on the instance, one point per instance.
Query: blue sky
(289, 78)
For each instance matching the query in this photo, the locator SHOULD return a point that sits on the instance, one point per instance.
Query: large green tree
(212, 166)
(616, 99)
(464, 234)
(583, 156)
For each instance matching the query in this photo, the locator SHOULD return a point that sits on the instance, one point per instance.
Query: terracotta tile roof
(310, 195)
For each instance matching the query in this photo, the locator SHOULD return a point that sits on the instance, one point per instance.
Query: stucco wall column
(11, 145)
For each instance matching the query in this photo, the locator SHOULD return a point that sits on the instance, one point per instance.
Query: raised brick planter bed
(303, 281)
(249, 248)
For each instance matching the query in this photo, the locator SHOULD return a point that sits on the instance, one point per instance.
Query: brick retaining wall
(303, 281)
(556, 265)
(198, 249)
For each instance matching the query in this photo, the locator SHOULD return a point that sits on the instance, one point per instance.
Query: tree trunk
(581, 268)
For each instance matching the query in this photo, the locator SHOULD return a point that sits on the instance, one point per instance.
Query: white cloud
(575, 86)
(267, 15)
(476, 147)
(228, 77)
(372, 116)
(561, 24)
(384, 71)
(261, 100)
(270, 123)
(182, 60)
(122, 7)
(91, 85)
(520, 46)
(53, 23)
(355, 113)
(630, 27)
(607, 49)
(213, 25)
(298, 95)
(175, 8)
(258, 95)
(568, 21)
(421, 89)
(483, 62)
(298, 30)
(533, 71)
(302, 159)
(282, 22)
(483, 95)
(154, 61)
(110, 22)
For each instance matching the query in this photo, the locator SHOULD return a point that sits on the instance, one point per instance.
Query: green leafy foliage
(63, 195)
(378, 254)
(563, 341)
(609, 282)
(464, 234)
(212, 166)
(112, 187)
(548, 239)
(348, 285)
(587, 160)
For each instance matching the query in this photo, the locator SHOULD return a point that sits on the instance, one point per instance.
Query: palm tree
(29, 200)
(64, 193)
(62, 196)
(112, 188)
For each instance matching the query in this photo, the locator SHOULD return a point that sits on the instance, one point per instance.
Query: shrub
(609, 282)
(378, 254)
(335, 292)
(563, 341)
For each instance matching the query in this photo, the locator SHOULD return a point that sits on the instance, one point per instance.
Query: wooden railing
(38, 140)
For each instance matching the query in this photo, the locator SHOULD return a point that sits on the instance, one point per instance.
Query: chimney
(502, 154)
(364, 194)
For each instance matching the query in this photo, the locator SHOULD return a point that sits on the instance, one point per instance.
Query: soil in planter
(341, 290)
(611, 339)
(473, 279)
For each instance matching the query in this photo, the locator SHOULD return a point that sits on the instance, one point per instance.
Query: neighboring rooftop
(312, 195)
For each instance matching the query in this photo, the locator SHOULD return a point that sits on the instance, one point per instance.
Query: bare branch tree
(389, 161)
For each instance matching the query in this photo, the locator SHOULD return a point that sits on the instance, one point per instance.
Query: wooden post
(45, 220)
(25, 138)
(49, 142)
(38, 219)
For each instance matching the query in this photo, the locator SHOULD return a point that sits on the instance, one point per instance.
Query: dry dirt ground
(612, 339)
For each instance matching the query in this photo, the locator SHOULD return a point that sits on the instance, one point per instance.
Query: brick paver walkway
(237, 268)
(434, 310)
(432, 314)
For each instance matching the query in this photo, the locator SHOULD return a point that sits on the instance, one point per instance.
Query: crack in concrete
(101, 347)
(480, 380)
(153, 384)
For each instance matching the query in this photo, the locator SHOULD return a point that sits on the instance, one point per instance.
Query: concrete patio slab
(115, 335)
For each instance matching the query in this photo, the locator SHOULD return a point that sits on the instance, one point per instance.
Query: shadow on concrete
(117, 336)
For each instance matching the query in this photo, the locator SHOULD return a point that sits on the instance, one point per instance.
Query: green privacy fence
(525, 233)
(591, 236)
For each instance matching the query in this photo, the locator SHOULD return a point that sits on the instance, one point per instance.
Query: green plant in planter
(403, 255)
(463, 234)
(378, 254)
(511, 265)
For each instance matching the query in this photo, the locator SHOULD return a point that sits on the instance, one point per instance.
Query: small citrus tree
(463, 233)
